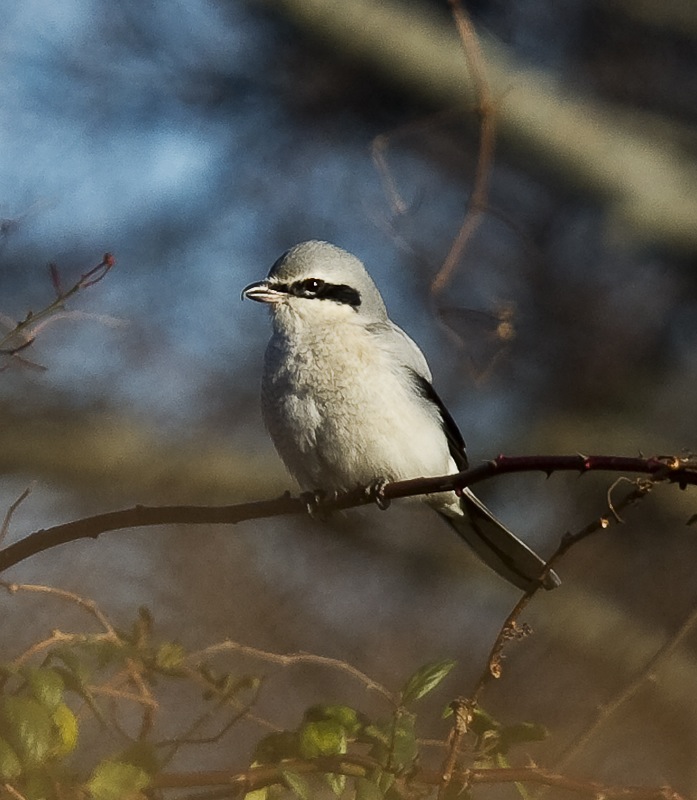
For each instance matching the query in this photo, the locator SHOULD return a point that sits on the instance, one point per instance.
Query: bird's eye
(312, 285)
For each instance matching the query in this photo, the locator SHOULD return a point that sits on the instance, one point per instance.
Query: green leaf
(425, 680)
(10, 765)
(345, 716)
(385, 781)
(142, 755)
(38, 786)
(367, 790)
(232, 685)
(483, 722)
(46, 685)
(325, 738)
(169, 656)
(521, 733)
(277, 746)
(66, 725)
(395, 741)
(375, 734)
(297, 784)
(28, 728)
(336, 781)
(77, 670)
(142, 628)
(257, 794)
(108, 652)
(76, 675)
(113, 780)
(404, 747)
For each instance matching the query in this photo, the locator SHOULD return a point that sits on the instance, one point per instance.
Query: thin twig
(511, 627)
(83, 602)
(11, 510)
(292, 659)
(485, 155)
(10, 789)
(26, 330)
(379, 148)
(463, 708)
(629, 691)
(58, 637)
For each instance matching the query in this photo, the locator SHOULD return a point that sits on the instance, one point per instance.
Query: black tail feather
(498, 547)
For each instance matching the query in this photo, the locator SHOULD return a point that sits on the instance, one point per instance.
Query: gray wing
(402, 349)
(498, 547)
(408, 358)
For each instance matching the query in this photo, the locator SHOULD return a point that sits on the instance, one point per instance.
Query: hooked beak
(263, 292)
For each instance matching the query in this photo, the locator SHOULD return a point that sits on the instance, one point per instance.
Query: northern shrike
(347, 399)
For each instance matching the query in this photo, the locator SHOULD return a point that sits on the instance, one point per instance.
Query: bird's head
(317, 281)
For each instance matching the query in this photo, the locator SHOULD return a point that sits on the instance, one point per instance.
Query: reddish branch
(25, 330)
(672, 469)
(485, 156)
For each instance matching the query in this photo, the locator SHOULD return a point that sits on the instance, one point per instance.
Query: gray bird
(348, 400)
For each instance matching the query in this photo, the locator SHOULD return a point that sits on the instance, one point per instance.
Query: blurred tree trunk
(650, 183)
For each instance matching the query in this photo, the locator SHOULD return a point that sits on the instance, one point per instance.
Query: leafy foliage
(59, 692)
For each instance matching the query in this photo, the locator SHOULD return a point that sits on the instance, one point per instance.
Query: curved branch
(617, 156)
(668, 468)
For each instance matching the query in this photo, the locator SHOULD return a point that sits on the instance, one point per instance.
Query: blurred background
(197, 141)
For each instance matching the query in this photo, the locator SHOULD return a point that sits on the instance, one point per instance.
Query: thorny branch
(512, 629)
(681, 471)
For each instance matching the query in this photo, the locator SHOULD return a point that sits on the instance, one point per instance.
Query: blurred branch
(511, 629)
(629, 691)
(650, 183)
(361, 766)
(486, 110)
(24, 333)
(665, 468)
(11, 510)
(678, 16)
(463, 708)
(116, 671)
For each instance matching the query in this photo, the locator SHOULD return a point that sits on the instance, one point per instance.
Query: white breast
(342, 411)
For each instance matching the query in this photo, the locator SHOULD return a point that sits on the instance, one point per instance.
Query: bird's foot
(317, 504)
(376, 492)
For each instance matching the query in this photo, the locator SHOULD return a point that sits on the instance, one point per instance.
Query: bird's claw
(316, 504)
(376, 492)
